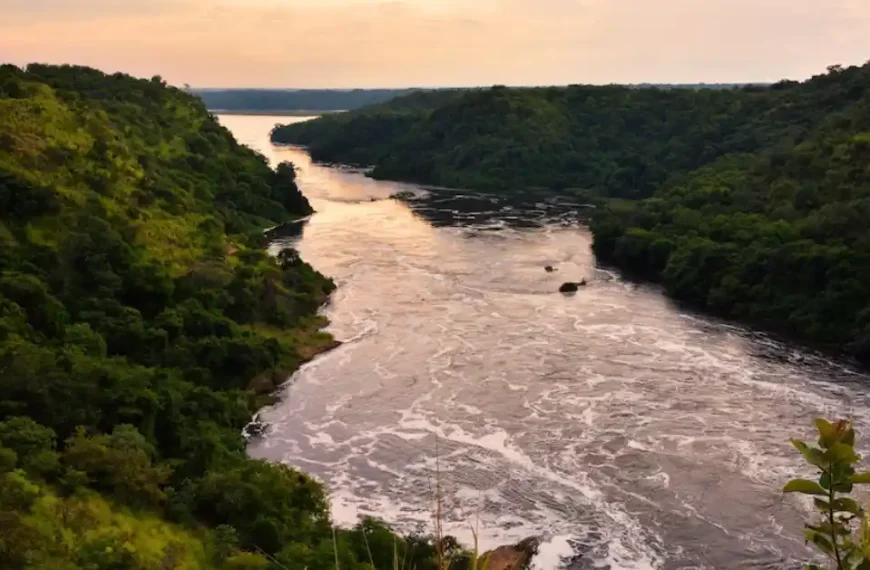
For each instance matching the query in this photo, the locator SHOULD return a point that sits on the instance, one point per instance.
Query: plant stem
(335, 547)
(831, 497)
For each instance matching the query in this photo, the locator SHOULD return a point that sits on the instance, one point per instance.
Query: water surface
(627, 431)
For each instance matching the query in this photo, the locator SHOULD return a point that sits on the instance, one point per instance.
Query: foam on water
(553, 553)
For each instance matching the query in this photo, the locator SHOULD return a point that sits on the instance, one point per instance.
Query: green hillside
(141, 325)
(753, 200)
(779, 238)
(362, 137)
(604, 141)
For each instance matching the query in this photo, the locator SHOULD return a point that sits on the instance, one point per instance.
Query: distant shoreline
(275, 112)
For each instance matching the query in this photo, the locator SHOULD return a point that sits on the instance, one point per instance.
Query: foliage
(834, 534)
(598, 141)
(40, 529)
(141, 324)
(360, 137)
(778, 238)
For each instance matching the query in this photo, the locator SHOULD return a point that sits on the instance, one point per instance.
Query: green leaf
(827, 432)
(848, 505)
(804, 486)
(813, 455)
(860, 478)
(801, 446)
(822, 505)
(848, 435)
(840, 452)
(821, 542)
(841, 473)
(825, 481)
(824, 528)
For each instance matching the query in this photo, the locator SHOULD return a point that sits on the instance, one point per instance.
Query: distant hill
(323, 100)
(294, 100)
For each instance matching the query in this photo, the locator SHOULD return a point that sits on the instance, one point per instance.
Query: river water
(628, 432)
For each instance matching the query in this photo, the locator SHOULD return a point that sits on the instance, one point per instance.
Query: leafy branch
(835, 533)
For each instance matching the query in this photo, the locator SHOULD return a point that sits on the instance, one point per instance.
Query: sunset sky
(376, 43)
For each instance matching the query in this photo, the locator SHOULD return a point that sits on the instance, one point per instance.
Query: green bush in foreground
(835, 533)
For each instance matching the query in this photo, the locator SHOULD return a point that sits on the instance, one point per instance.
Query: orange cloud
(343, 43)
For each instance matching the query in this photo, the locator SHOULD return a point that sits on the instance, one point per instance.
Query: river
(629, 432)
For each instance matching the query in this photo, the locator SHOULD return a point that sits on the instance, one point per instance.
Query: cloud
(28, 11)
(341, 43)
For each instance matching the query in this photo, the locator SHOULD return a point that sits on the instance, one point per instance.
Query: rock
(571, 287)
(255, 429)
(549, 269)
(514, 557)
(404, 195)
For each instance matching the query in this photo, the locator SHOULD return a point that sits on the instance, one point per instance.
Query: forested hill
(278, 100)
(758, 197)
(604, 140)
(141, 324)
(362, 137)
(779, 237)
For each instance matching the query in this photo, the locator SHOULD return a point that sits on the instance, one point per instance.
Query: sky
(423, 43)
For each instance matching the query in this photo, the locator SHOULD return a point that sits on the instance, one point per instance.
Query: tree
(834, 459)
(120, 463)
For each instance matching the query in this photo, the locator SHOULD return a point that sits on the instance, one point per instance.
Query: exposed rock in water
(255, 429)
(404, 195)
(549, 269)
(571, 287)
(514, 557)
(291, 229)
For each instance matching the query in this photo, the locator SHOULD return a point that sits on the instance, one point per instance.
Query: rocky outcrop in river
(513, 557)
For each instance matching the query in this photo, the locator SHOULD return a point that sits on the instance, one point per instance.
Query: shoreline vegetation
(142, 325)
(749, 203)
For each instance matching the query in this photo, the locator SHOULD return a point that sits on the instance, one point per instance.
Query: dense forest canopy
(602, 140)
(141, 324)
(295, 99)
(778, 237)
(751, 202)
